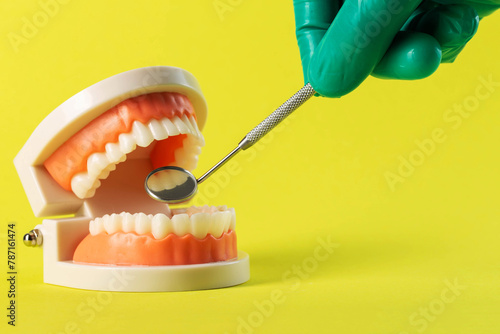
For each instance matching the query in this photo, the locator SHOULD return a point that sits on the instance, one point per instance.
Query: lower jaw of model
(172, 237)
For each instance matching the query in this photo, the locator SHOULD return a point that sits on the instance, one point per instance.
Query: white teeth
(181, 224)
(183, 129)
(161, 181)
(200, 224)
(104, 174)
(180, 157)
(111, 223)
(186, 157)
(92, 229)
(96, 163)
(142, 224)
(180, 178)
(166, 180)
(170, 127)
(91, 192)
(127, 142)
(197, 221)
(110, 168)
(194, 141)
(99, 165)
(83, 185)
(96, 226)
(232, 221)
(159, 132)
(200, 141)
(196, 150)
(161, 226)
(220, 223)
(113, 152)
(128, 222)
(142, 134)
(185, 121)
(194, 125)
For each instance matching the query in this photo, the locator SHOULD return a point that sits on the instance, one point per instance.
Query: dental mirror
(173, 184)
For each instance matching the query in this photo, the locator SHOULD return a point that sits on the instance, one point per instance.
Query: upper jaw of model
(99, 165)
(158, 127)
(80, 170)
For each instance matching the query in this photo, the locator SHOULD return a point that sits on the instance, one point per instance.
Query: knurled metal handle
(277, 116)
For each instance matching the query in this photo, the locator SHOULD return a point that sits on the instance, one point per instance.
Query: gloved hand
(342, 42)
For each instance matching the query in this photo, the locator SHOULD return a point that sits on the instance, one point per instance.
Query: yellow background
(321, 176)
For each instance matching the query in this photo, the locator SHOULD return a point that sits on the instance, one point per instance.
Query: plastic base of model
(60, 238)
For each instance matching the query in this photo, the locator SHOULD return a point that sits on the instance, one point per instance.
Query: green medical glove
(341, 43)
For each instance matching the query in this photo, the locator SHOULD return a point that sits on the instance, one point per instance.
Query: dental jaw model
(89, 158)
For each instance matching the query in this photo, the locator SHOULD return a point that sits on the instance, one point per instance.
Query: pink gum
(132, 249)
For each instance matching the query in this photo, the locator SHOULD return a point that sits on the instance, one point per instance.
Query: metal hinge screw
(33, 238)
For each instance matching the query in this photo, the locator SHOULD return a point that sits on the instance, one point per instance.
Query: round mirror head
(171, 184)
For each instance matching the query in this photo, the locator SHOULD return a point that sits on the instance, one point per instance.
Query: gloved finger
(482, 7)
(451, 25)
(312, 20)
(412, 55)
(355, 43)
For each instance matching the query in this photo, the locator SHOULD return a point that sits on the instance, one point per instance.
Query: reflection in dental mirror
(171, 184)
